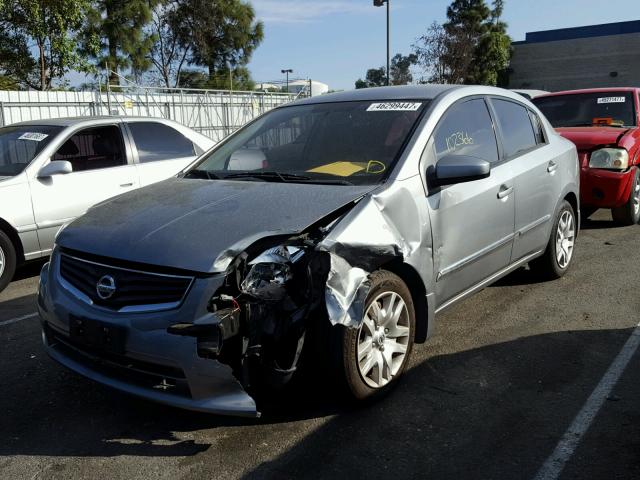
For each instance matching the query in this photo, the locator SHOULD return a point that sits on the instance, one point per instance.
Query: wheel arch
(12, 233)
(412, 279)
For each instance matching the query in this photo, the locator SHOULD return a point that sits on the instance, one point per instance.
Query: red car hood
(586, 138)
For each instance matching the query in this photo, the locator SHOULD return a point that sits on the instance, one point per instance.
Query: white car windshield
(20, 144)
(346, 142)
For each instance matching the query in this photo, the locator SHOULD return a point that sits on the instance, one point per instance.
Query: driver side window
(93, 148)
(466, 129)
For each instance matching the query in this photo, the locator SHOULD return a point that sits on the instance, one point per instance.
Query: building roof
(589, 31)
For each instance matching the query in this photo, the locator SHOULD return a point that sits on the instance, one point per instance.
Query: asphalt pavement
(492, 395)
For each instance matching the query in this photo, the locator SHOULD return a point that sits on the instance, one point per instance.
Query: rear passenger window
(156, 141)
(466, 129)
(538, 130)
(516, 127)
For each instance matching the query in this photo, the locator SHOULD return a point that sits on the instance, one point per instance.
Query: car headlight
(269, 273)
(610, 158)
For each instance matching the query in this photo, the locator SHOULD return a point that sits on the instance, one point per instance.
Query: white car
(52, 171)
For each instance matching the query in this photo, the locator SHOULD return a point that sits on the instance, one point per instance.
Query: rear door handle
(125, 185)
(552, 166)
(504, 191)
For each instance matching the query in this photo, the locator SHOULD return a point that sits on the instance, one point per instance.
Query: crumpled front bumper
(155, 365)
(605, 188)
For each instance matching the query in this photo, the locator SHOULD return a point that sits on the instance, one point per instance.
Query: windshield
(20, 144)
(613, 109)
(343, 143)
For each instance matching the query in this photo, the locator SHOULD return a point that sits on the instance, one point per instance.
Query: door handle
(552, 166)
(504, 191)
(125, 185)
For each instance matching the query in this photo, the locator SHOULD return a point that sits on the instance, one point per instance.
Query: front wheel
(7, 260)
(629, 213)
(556, 259)
(373, 356)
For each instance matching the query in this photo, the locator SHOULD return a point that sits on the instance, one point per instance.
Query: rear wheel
(375, 355)
(557, 257)
(629, 213)
(7, 260)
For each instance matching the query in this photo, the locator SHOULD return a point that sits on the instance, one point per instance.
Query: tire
(388, 354)
(551, 265)
(7, 260)
(629, 213)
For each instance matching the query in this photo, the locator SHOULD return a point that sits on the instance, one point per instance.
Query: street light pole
(287, 71)
(379, 3)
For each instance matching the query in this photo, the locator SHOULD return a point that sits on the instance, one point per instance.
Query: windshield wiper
(287, 177)
(269, 175)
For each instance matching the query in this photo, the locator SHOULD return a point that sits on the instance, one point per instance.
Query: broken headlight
(269, 272)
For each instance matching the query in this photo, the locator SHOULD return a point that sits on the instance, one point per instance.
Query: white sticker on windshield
(612, 100)
(35, 136)
(394, 107)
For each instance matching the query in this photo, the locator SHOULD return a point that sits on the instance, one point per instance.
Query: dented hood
(587, 138)
(201, 225)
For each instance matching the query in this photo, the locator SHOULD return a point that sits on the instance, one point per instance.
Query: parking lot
(490, 396)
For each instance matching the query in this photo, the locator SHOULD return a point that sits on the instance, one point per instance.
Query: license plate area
(96, 334)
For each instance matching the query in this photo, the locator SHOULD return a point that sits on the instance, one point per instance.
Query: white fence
(214, 113)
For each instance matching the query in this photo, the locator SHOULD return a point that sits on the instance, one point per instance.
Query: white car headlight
(610, 158)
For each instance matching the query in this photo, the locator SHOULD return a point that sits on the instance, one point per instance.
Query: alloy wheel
(636, 198)
(383, 339)
(3, 261)
(565, 239)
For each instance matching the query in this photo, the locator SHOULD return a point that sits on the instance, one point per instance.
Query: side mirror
(56, 167)
(461, 168)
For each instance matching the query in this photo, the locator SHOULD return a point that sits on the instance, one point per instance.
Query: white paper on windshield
(612, 100)
(394, 107)
(34, 136)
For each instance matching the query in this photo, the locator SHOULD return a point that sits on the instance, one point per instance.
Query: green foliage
(401, 68)
(115, 36)
(50, 27)
(8, 83)
(223, 33)
(472, 47)
(400, 72)
(238, 79)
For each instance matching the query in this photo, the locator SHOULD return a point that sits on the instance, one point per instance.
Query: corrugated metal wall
(212, 112)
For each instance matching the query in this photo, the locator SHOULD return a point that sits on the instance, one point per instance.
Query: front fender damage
(279, 289)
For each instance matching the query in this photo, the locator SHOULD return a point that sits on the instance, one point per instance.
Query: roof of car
(69, 121)
(404, 92)
(589, 90)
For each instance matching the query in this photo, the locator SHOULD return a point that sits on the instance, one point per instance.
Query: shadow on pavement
(491, 412)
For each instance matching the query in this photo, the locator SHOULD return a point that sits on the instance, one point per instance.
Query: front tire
(555, 261)
(374, 356)
(7, 260)
(629, 213)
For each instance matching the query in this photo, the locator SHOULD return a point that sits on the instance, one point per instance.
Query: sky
(336, 41)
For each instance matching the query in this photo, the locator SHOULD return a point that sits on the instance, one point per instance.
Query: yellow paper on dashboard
(340, 169)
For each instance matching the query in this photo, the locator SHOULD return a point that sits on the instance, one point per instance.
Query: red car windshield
(615, 109)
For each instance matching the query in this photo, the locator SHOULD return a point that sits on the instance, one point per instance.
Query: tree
(224, 34)
(401, 68)
(430, 49)
(471, 47)
(173, 44)
(115, 37)
(376, 77)
(49, 26)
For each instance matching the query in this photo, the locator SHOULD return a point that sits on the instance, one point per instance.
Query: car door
(472, 223)
(101, 169)
(537, 185)
(161, 151)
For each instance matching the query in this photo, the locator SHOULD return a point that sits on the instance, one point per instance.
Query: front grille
(133, 289)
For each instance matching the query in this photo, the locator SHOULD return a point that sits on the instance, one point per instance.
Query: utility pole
(380, 3)
(287, 71)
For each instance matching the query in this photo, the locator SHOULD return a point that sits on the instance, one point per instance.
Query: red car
(604, 123)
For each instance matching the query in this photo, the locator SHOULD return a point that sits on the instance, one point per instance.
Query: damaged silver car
(339, 224)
